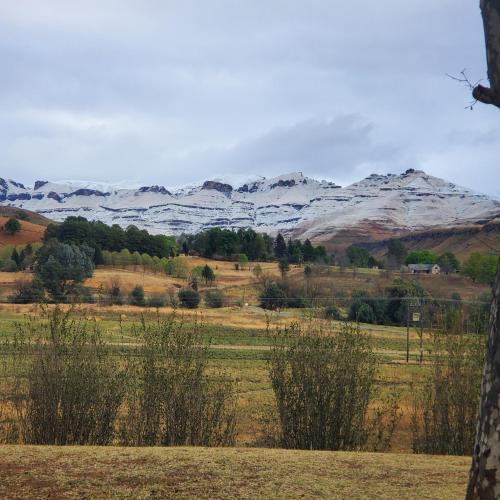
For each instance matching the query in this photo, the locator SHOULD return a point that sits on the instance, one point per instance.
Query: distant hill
(32, 230)
(24, 215)
(462, 241)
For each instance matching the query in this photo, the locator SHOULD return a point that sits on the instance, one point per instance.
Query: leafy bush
(360, 257)
(272, 297)
(9, 266)
(445, 407)
(214, 298)
(28, 292)
(323, 383)
(397, 304)
(156, 300)
(12, 226)
(174, 401)
(421, 257)
(332, 312)
(137, 296)
(448, 262)
(481, 268)
(189, 298)
(177, 267)
(114, 295)
(366, 309)
(60, 267)
(68, 385)
(207, 274)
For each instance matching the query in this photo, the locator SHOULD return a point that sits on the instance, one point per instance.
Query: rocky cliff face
(292, 204)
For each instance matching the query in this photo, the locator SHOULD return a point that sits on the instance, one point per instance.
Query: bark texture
(484, 479)
(490, 10)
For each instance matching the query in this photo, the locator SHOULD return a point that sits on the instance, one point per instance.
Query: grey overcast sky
(173, 92)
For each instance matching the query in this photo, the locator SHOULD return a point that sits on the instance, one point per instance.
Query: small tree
(214, 298)
(257, 271)
(12, 226)
(16, 257)
(446, 406)
(307, 271)
(137, 296)
(114, 294)
(69, 386)
(284, 267)
(60, 267)
(208, 274)
(189, 298)
(396, 253)
(28, 292)
(280, 249)
(242, 260)
(323, 383)
(272, 297)
(176, 400)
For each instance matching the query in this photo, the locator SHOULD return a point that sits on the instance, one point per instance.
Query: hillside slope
(107, 472)
(292, 204)
(29, 233)
(462, 241)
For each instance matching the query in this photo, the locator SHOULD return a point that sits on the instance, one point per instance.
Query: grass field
(240, 345)
(110, 472)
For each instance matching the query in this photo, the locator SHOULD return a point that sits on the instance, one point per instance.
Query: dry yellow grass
(29, 233)
(108, 472)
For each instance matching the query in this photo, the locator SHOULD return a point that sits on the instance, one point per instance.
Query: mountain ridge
(293, 204)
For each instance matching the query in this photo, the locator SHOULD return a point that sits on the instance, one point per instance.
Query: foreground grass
(110, 472)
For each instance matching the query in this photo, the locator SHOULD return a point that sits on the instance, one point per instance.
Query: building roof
(421, 267)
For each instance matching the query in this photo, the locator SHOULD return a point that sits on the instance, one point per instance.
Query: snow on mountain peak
(291, 203)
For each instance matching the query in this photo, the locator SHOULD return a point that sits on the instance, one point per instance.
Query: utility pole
(421, 330)
(407, 330)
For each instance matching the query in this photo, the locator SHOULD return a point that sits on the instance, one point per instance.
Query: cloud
(165, 91)
(337, 148)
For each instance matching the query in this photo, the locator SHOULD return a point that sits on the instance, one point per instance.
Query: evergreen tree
(137, 296)
(308, 251)
(12, 226)
(284, 267)
(396, 253)
(16, 258)
(280, 249)
(60, 267)
(207, 274)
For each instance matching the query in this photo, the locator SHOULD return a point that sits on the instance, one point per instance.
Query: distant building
(424, 268)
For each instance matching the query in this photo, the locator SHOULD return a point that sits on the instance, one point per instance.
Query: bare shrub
(174, 400)
(323, 382)
(68, 388)
(445, 407)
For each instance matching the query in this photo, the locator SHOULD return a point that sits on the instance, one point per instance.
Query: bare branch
(464, 79)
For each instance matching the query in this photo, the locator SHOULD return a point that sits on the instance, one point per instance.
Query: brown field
(108, 472)
(29, 233)
(243, 285)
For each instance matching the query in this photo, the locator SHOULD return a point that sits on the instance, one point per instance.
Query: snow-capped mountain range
(292, 204)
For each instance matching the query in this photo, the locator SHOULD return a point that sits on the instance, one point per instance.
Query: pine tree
(15, 257)
(280, 249)
(207, 274)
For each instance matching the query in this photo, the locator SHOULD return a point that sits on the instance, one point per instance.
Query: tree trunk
(484, 479)
(490, 10)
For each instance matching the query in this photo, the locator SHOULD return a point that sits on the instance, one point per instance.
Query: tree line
(100, 237)
(217, 243)
(479, 267)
